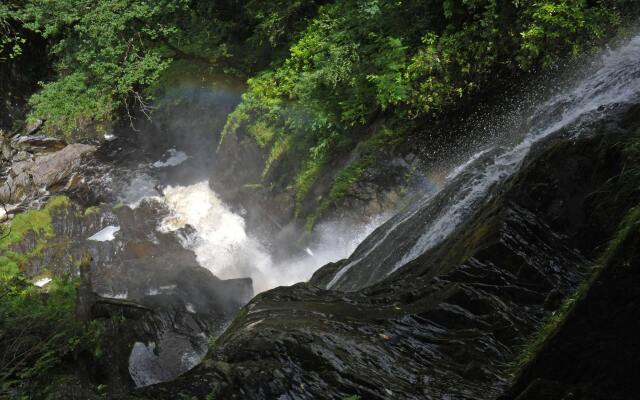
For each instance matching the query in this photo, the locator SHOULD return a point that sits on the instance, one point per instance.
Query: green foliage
(262, 133)
(369, 151)
(320, 72)
(278, 150)
(69, 103)
(38, 331)
(360, 58)
(561, 26)
(312, 169)
(11, 41)
(107, 52)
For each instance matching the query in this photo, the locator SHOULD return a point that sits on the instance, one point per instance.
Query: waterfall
(613, 81)
(223, 246)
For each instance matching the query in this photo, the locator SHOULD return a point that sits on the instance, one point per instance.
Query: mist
(172, 167)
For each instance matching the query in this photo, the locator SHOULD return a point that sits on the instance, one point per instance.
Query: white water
(105, 235)
(614, 79)
(42, 282)
(617, 80)
(175, 157)
(223, 246)
(140, 186)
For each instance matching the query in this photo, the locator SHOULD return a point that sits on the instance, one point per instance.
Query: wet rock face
(268, 199)
(446, 325)
(171, 305)
(595, 355)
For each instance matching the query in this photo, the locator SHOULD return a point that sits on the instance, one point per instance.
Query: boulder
(21, 155)
(37, 143)
(45, 171)
(165, 304)
(35, 126)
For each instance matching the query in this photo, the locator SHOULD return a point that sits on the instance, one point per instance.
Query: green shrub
(411, 59)
(108, 52)
(38, 332)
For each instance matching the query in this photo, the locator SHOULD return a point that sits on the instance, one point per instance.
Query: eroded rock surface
(449, 323)
(171, 306)
(52, 171)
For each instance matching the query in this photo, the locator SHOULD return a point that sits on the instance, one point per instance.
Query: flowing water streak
(617, 80)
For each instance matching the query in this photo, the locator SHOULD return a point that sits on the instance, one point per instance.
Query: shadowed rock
(447, 324)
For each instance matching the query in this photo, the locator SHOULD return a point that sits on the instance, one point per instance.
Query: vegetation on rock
(319, 73)
(35, 221)
(626, 189)
(39, 330)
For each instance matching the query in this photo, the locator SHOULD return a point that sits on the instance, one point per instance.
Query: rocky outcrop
(37, 143)
(12, 144)
(165, 306)
(53, 171)
(449, 323)
(267, 196)
(594, 355)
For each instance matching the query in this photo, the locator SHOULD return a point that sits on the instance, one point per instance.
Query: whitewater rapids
(222, 245)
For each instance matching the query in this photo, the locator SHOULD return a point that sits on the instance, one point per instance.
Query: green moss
(37, 221)
(262, 133)
(305, 179)
(278, 150)
(234, 121)
(91, 210)
(8, 266)
(547, 330)
(351, 174)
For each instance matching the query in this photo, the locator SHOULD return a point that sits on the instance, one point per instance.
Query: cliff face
(450, 322)
(594, 354)
(524, 240)
(244, 175)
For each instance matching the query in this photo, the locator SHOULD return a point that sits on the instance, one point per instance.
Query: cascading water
(222, 245)
(614, 81)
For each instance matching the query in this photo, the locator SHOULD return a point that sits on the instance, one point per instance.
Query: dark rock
(170, 305)
(240, 179)
(553, 300)
(595, 354)
(447, 324)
